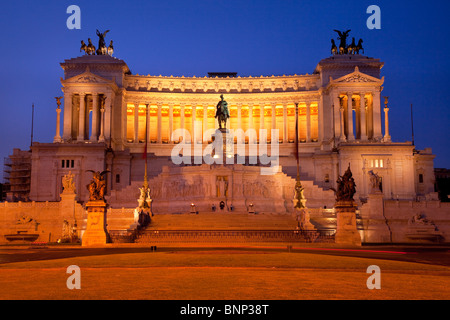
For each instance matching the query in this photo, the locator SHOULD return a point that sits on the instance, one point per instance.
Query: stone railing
(227, 236)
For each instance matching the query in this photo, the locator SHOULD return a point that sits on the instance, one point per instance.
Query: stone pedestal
(68, 215)
(376, 227)
(95, 233)
(304, 222)
(346, 232)
(224, 147)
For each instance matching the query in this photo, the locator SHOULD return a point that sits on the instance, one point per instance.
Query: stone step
(216, 221)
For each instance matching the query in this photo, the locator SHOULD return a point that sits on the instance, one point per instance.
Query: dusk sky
(265, 37)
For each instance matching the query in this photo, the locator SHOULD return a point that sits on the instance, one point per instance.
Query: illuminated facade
(342, 117)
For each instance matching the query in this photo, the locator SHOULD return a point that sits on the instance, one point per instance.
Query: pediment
(357, 77)
(87, 77)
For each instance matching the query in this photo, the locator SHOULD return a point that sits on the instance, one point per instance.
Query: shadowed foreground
(220, 275)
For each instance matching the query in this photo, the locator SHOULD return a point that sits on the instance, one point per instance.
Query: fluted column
(108, 115)
(159, 122)
(337, 116)
(250, 123)
(350, 134)
(261, 121)
(170, 122)
(362, 109)
(136, 123)
(376, 110)
(286, 124)
(387, 137)
(68, 113)
(193, 126)
(320, 120)
(274, 120)
(182, 108)
(82, 117)
(205, 122)
(308, 121)
(57, 137)
(342, 134)
(147, 119)
(239, 121)
(95, 113)
(101, 138)
(261, 116)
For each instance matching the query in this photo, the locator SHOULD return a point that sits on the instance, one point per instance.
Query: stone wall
(379, 221)
(405, 221)
(40, 221)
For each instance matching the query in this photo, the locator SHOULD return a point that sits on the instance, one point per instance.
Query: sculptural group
(352, 48)
(97, 186)
(346, 187)
(89, 49)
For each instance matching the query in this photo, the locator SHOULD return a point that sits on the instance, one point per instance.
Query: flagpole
(296, 142)
(145, 149)
(32, 124)
(412, 125)
(299, 200)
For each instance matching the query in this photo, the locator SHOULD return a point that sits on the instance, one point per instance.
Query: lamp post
(299, 200)
(387, 137)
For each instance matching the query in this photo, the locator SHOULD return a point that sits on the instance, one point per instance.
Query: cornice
(222, 85)
(171, 98)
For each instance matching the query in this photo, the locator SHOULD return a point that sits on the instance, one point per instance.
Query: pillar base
(95, 234)
(346, 231)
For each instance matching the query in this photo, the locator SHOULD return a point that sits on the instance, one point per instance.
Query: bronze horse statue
(222, 112)
(84, 47)
(334, 49)
(90, 48)
(359, 46)
(351, 49)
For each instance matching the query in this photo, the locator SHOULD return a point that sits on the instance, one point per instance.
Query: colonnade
(358, 116)
(87, 116)
(243, 116)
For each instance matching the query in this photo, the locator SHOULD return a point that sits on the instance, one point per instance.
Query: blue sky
(264, 37)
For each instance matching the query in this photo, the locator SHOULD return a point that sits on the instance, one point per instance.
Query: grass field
(222, 275)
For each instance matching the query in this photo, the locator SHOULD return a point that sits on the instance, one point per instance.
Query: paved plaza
(225, 273)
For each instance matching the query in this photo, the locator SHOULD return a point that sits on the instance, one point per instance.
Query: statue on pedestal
(346, 228)
(375, 181)
(222, 112)
(97, 186)
(346, 187)
(96, 233)
(68, 183)
(299, 198)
